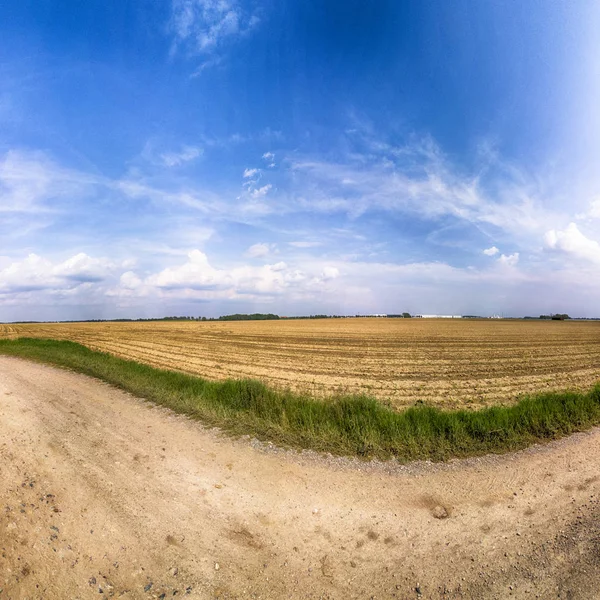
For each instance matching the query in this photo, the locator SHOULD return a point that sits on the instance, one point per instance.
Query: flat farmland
(446, 363)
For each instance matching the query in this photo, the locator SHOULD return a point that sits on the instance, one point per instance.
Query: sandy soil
(103, 495)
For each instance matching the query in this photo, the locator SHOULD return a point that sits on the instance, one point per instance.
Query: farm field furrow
(449, 364)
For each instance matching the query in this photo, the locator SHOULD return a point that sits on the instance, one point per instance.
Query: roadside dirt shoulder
(102, 494)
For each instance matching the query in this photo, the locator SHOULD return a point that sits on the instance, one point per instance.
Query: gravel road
(104, 495)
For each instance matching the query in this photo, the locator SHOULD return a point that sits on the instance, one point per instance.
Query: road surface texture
(105, 496)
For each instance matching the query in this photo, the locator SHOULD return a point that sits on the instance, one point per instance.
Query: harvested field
(443, 363)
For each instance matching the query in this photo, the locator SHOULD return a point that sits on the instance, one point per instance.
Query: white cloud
(305, 244)
(573, 243)
(206, 64)
(269, 157)
(509, 260)
(330, 273)
(202, 200)
(32, 182)
(198, 279)
(419, 179)
(82, 267)
(36, 273)
(260, 250)
(187, 154)
(333, 286)
(260, 192)
(37, 192)
(129, 280)
(196, 274)
(593, 211)
(199, 276)
(202, 26)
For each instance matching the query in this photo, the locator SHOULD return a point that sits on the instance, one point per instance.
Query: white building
(438, 316)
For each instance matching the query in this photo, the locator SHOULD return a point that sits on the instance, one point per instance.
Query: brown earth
(447, 363)
(103, 495)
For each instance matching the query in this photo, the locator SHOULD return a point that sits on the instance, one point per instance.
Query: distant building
(438, 316)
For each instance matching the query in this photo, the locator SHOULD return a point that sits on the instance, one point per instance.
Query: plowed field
(400, 361)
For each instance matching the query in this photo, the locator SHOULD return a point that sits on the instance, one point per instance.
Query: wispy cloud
(203, 27)
(269, 158)
(305, 244)
(31, 182)
(248, 173)
(186, 154)
(261, 191)
(202, 200)
(418, 180)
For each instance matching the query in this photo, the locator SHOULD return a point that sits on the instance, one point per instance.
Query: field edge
(350, 425)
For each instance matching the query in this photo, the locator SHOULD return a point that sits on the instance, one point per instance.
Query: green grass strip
(344, 425)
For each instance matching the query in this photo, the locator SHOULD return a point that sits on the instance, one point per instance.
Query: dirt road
(103, 495)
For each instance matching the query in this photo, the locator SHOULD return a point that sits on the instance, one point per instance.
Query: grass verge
(345, 425)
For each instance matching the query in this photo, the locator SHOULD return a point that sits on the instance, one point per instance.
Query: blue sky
(204, 157)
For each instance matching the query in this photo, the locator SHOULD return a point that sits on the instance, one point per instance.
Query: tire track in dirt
(101, 491)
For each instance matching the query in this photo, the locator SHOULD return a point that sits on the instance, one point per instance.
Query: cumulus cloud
(509, 260)
(196, 274)
(336, 286)
(491, 251)
(36, 273)
(199, 275)
(572, 242)
(198, 279)
(129, 280)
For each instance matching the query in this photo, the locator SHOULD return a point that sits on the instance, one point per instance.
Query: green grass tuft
(344, 425)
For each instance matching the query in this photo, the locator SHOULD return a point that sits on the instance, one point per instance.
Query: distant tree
(407, 315)
(253, 317)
